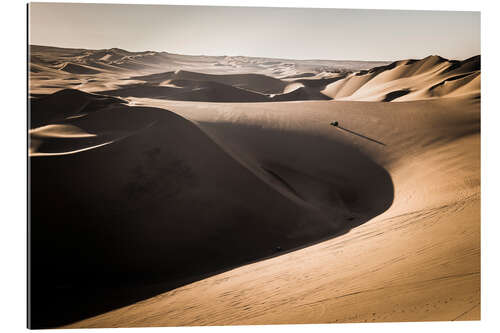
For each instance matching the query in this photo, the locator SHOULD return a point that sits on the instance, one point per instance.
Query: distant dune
(300, 94)
(188, 90)
(410, 80)
(78, 69)
(248, 79)
(158, 177)
(260, 75)
(255, 82)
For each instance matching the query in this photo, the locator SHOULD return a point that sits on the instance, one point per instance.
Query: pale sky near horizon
(293, 33)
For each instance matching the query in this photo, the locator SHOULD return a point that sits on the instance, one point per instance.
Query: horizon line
(266, 57)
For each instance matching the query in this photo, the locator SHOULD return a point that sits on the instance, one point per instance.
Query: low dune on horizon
(176, 190)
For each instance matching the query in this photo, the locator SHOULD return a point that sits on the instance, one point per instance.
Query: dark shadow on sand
(361, 135)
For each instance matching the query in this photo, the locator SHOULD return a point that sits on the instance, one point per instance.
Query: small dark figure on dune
(335, 123)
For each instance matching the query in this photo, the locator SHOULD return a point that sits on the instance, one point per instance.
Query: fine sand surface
(187, 190)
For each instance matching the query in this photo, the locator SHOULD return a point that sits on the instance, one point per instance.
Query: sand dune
(419, 260)
(150, 60)
(320, 82)
(301, 94)
(416, 78)
(261, 75)
(187, 90)
(191, 86)
(77, 69)
(399, 81)
(168, 165)
(254, 82)
(161, 177)
(66, 103)
(60, 131)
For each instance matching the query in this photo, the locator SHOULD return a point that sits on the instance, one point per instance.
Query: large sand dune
(216, 195)
(191, 208)
(410, 80)
(419, 260)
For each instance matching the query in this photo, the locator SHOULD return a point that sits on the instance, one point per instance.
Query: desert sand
(171, 190)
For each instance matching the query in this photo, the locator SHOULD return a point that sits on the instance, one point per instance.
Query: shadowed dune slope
(242, 88)
(78, 69)
(254, 82)
(300, 94)
(161, 204)
(187, 90)
(66, 103)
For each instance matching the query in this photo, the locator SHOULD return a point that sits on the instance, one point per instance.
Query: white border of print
(13, 166)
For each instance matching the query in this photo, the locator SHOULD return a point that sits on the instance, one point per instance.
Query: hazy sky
(337, 34)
